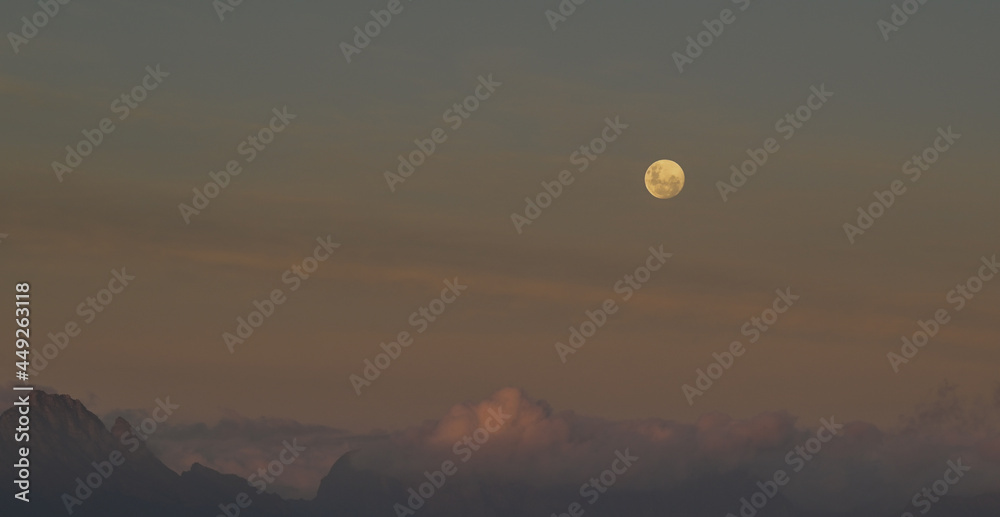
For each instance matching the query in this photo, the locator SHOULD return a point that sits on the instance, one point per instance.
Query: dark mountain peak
(58, 413)
(204, 486)
(61, 426)
(344, 463)
(349, 490)
(198, 469)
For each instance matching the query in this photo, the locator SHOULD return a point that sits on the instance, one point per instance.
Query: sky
(323, 176)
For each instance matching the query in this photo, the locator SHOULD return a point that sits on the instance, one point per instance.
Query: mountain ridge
(70, 444)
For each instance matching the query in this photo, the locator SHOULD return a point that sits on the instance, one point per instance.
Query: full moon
(664, 179)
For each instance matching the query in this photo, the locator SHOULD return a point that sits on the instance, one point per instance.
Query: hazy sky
(324, 176)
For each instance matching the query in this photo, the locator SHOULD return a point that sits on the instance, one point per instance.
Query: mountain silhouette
(69, 444)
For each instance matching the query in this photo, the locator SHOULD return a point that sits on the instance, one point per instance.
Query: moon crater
(664, 179)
